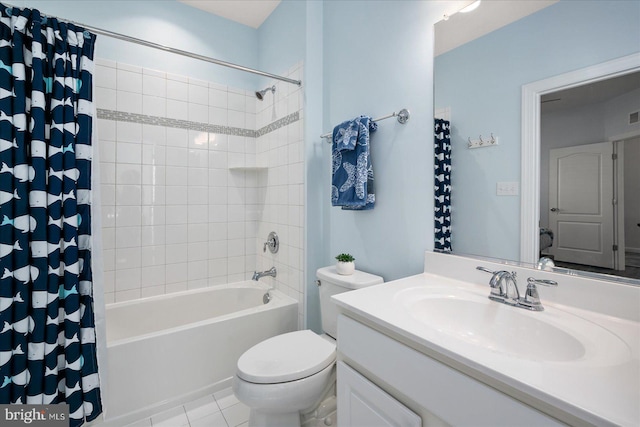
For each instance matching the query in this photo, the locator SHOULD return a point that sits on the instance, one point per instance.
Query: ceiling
(460, 28)
(456, 30)
(248, 12)
(594, 93)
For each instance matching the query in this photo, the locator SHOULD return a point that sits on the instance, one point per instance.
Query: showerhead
(260, 94)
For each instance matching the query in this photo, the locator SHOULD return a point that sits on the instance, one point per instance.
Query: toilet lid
(286, 357)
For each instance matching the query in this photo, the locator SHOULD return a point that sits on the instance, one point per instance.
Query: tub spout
(271, 272)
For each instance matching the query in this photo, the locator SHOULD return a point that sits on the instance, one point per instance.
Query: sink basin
(510, 332)
(469, 319)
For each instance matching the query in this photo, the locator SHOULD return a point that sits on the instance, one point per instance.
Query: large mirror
(584, 113)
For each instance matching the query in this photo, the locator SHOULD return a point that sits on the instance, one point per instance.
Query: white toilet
(289, 380)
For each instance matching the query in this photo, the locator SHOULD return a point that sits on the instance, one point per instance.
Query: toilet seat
(286, 357)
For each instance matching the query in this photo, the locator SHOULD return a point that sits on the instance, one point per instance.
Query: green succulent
(345, 258)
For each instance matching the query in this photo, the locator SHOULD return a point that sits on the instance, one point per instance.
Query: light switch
(508, 188)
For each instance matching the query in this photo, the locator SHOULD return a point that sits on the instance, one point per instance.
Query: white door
(581, 204)
(361, 403)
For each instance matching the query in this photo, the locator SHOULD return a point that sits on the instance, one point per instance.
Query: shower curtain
(47, 331)
(442, 188)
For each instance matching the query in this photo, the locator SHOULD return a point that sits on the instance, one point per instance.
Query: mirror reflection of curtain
(442, 188)
(48, 340)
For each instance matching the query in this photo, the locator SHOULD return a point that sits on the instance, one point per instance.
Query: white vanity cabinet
(361, 403)
(408, 381)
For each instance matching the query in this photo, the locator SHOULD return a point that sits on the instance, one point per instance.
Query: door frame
(530, 148)
(619, 259)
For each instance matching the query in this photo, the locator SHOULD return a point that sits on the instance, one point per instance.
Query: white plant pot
(345, 268)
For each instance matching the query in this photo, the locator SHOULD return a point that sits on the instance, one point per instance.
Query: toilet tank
(331, 283)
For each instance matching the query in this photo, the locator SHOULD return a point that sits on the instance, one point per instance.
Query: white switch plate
(508, 188)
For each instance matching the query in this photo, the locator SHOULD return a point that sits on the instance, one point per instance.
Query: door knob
(554, 209)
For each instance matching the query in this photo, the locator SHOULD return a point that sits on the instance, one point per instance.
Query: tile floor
(221, 409)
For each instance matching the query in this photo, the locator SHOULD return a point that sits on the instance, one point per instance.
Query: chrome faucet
(504, 289)
(271, 272)
(503, 286)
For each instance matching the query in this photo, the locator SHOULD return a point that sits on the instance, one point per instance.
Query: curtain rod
(177, 51)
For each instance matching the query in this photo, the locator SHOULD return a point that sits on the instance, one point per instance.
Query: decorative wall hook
(477, 143)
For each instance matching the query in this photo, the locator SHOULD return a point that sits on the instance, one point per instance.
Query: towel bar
(402, 115)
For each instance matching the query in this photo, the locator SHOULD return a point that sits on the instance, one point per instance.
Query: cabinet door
(363, 404)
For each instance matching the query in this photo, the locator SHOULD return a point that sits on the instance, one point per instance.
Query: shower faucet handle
(273, 243)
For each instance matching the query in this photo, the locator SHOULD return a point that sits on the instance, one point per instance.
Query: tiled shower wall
(183, 204)
(281, 194)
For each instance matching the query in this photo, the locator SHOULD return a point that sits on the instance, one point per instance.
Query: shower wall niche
(194, 175)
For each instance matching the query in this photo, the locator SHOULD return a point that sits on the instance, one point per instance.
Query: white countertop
(601, 388)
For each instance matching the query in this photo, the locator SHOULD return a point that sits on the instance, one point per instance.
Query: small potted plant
(345, 264)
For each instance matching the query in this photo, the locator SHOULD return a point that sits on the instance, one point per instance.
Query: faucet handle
(531, 281)
(486, 270)
(273, 243)
(531, 297)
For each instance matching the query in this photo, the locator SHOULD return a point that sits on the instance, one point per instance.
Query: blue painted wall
(481, 81)
(316, 225)
(169, 23)
(378, 59)
(363, 58)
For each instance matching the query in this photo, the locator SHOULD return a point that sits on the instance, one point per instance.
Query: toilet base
(283, 419)
(325, 415)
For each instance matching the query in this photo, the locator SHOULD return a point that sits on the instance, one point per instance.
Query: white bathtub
(167, 350)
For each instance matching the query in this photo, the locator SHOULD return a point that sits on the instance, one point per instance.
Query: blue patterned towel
(352, 174)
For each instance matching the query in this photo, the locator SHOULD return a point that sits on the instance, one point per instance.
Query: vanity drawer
(455, 398)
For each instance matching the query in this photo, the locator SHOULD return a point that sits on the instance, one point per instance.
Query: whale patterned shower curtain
(47, 334)
(442, 188)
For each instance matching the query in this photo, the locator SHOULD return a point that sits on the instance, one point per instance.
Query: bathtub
(166, 350)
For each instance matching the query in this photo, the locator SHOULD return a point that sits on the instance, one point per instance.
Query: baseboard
(151, 410)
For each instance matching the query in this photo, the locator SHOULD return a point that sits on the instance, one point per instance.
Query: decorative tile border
(144, 119)
(286, 120)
